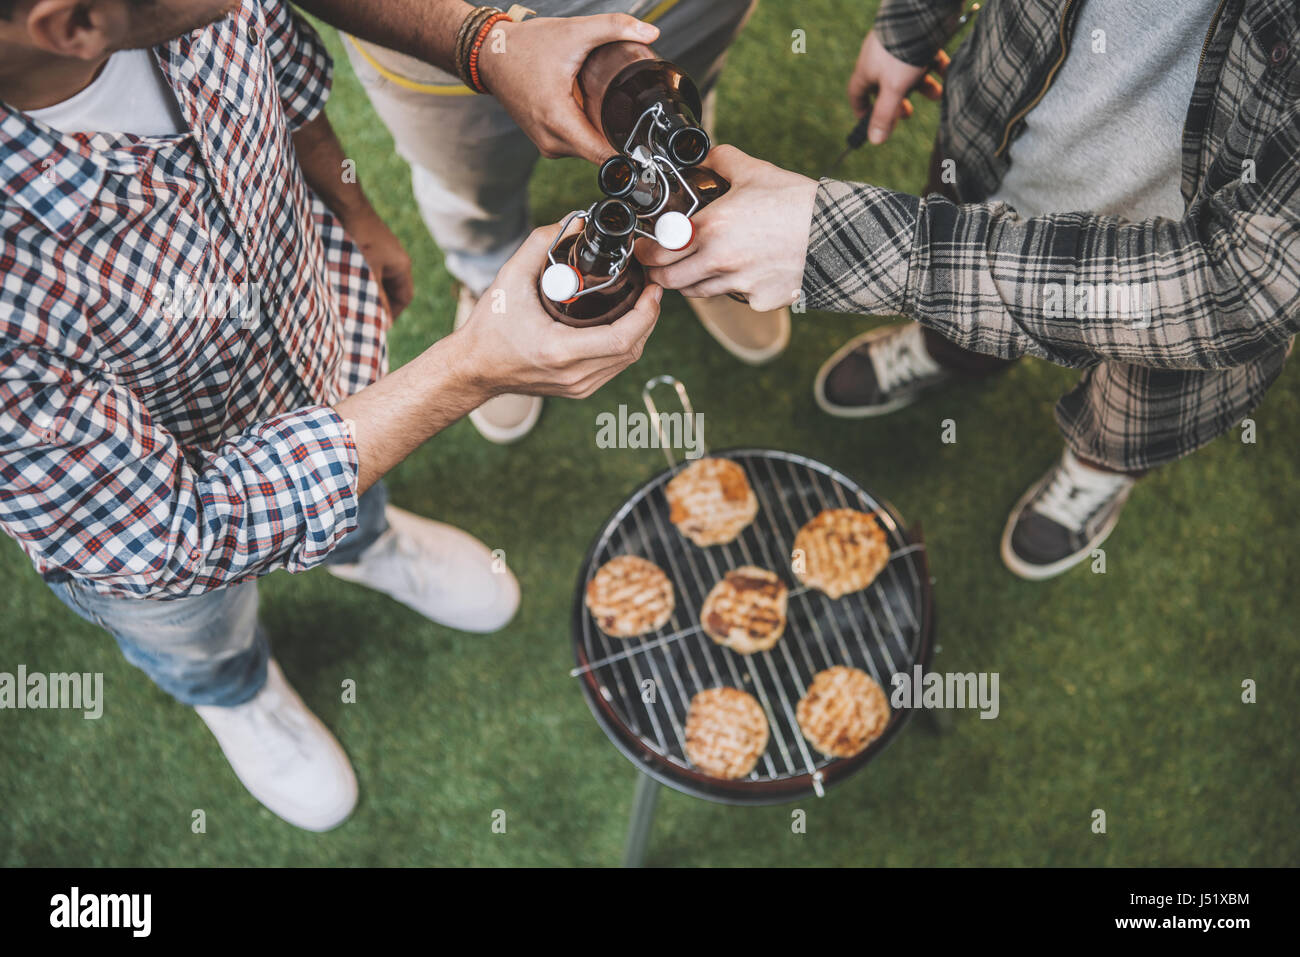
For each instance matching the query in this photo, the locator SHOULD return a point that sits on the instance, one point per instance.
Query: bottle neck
(679, 136)
(595, 253)
(656, 84)
(644, 189)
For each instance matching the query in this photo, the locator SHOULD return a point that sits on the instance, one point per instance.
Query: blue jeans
(208, 648)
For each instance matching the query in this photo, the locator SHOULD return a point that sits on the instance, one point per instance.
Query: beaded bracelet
(464, 36)
(476, 83)
(469, 33)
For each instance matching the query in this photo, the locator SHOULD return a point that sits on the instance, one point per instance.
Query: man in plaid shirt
(193, 378)
(1115, 188)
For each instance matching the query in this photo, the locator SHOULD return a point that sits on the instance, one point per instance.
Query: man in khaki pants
(471, 162)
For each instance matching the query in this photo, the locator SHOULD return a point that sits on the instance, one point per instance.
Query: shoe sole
(859, 411)
(1036, 573)
(499, 436)
(753, 357)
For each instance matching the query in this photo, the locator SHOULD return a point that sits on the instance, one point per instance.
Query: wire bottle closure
(615, 268)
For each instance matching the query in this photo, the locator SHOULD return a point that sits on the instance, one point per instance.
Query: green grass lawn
(1119, 691)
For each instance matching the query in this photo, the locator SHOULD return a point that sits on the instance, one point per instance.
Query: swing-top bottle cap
(561, 282)
(674, 230)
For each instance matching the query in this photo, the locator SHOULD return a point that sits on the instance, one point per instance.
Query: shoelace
(897, 361)
(1070, 502)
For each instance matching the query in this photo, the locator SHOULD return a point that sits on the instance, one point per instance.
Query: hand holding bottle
(513, 345)
(509, 344)
(534, 71)
(753, 241)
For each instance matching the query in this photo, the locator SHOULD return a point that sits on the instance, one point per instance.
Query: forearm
(321, 157)
(393, 417)
(1073, 288)
(425, 29)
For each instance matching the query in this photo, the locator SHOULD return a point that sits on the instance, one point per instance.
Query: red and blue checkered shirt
(158, 444)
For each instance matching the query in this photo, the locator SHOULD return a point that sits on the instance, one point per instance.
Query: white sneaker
(446, 575)
(286, 758)
(752, 337)
(507, 418)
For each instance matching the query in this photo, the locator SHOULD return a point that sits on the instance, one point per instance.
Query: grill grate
(640, 690)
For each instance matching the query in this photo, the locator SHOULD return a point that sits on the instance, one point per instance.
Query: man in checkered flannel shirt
(1114, 188)
(194, 390)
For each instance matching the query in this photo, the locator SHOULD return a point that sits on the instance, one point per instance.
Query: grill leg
(643, 815)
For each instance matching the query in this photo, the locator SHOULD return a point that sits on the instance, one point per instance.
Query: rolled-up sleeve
(304, 69)
(915, 30)
(1217, 289)
(91, 487)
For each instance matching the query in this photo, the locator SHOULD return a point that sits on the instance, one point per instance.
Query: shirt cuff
(303, 67)
(312, 455)
(915, 30)
(860, 249)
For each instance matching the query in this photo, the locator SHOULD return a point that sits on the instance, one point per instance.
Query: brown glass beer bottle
(664, 199)
(592, 279)
(620, 82)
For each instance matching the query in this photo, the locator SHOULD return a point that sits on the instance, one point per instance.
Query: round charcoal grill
(640, 689)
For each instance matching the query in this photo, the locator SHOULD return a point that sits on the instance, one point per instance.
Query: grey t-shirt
(1107, 136)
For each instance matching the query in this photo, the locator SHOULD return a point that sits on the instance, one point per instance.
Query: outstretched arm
(1218, 288)
(91, 485)
(531, 71)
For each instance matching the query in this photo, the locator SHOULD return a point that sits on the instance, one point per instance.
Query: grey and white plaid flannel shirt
(1220, 287)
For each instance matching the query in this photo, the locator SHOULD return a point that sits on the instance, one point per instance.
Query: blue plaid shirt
(155, 442)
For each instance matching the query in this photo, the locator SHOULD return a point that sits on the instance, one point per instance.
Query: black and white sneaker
(878, 372)
(1058, 522)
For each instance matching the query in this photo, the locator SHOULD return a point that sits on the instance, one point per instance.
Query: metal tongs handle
(647, 396)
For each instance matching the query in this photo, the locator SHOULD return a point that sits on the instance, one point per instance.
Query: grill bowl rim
(743, 792)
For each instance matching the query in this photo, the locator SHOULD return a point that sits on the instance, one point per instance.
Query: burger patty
(840, 551)
(746, 610)
(726, 732)
(842, 711)
(630, 596)
(711, 501)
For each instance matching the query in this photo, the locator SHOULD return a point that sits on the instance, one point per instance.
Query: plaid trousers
(1132, 418)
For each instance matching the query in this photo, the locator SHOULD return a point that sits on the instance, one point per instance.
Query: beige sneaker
(507, 418)
(753, 337)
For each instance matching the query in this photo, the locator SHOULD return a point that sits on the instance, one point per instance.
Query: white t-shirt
(130, 95)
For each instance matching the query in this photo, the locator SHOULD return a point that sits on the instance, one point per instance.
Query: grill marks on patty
(726, 732)
(842, 711)
(746, 611)
(711, 501)
(843, 551)
(630, 596)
